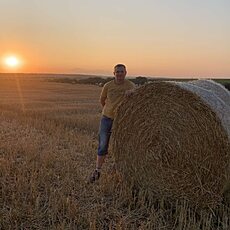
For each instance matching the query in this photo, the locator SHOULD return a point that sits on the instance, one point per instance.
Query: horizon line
(104, 75)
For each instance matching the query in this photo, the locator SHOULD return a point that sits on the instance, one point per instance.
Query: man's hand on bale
(128, 93)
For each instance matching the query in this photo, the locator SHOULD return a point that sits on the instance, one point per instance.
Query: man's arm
(103, 95)
(102, 101)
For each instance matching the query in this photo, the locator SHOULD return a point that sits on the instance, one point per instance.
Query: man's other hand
(128, 93)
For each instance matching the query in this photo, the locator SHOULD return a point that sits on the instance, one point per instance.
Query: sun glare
(12, 61)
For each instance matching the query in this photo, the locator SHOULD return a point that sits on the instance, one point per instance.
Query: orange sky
(153, 38)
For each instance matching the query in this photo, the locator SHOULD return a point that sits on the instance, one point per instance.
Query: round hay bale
(172, 139)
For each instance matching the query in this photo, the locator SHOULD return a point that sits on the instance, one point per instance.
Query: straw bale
(171, 139)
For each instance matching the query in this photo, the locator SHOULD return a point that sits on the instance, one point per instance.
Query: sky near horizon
(177, 38)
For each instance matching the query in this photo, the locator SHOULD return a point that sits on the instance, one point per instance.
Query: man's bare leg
(96, 174)
(100, 162)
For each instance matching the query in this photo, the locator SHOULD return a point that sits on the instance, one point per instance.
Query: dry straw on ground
(172, 140)
(47, 152)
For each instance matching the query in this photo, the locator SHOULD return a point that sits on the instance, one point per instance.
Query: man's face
(119, 73)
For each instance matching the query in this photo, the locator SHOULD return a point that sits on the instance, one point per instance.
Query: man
(112, 95)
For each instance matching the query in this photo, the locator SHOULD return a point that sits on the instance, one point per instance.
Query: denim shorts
(105, 131)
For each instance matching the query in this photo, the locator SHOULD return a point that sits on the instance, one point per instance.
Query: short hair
(119, 65)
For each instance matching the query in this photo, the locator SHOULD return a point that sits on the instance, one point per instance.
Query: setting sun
(12, 61)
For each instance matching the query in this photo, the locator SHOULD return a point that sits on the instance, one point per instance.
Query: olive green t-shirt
(114, 94)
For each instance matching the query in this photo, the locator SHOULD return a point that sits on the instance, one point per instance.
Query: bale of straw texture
(172, 139)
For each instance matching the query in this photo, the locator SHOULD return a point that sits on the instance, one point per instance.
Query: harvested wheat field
(48, 143)
(173, 140)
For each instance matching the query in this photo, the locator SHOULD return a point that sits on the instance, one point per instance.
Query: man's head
(119, 73)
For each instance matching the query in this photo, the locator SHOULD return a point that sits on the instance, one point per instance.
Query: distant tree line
(227, 85)
(97, 80)
(101, 81)
(138, 80)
